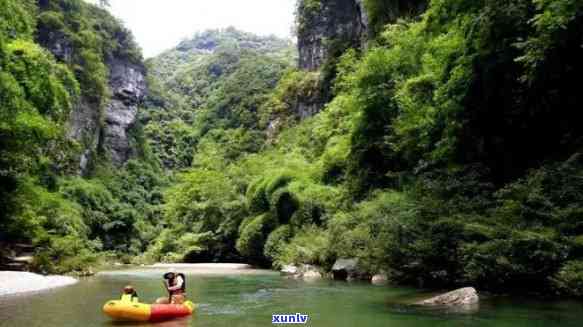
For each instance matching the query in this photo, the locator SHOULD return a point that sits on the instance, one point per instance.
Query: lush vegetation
(209, 91)
(70, 220)
(449, 153)
(448, 156)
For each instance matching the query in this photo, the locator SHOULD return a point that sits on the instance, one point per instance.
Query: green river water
(231, 300)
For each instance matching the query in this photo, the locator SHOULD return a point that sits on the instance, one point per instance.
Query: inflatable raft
(134, 311)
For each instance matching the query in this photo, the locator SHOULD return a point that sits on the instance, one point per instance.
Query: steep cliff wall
(326, 27)
(128, 86)
(109, 68)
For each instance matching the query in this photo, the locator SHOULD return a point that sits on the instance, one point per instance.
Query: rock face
(57, 43)
(326, 27)
(460, 297)
(128, 86)
(127, 83)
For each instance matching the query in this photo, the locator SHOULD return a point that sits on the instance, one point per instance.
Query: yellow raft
(134, 311)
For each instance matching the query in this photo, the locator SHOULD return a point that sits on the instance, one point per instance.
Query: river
(250, 298)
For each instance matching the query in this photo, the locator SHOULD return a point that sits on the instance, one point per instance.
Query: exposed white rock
(462, 296)
(379, 279)
(306, 272)
(310, 272)
(289, 270)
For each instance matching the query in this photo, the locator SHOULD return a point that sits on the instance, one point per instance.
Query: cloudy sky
(160, 24)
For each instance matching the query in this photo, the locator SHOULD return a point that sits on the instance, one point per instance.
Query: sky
(159, 25)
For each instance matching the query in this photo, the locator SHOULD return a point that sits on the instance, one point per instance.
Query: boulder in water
(310, 272)
(289, 270)
(348, 269)
(460, 297)
(306, 272)
(380, 279)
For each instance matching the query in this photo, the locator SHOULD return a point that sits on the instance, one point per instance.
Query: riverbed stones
(466, 296)
(305, 272)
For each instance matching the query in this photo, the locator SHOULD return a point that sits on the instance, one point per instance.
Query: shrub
(569, 279)
(311, 245)
(276, 242)
(253, 236)
(519, 261)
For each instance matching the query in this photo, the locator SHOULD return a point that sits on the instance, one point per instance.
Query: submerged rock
(460, 297)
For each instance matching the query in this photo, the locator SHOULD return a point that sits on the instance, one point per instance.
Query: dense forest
(435, 141)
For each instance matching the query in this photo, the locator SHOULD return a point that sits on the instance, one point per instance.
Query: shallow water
(230, 300)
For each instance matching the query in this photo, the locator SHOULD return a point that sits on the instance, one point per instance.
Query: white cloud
(160, 24)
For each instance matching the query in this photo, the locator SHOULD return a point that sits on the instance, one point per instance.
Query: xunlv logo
(298, 318)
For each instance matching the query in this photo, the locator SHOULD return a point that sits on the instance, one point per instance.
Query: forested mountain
(440, 146)
(435, 141)
(217, 81)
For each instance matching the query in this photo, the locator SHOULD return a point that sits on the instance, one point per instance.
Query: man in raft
(176, 286)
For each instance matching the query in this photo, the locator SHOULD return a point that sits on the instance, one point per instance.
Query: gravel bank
(14, 282)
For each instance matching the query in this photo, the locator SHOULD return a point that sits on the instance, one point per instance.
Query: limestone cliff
(128, 86)
(327, 28)
(101, 124)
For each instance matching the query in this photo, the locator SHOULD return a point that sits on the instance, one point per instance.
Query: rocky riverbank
(15, 282)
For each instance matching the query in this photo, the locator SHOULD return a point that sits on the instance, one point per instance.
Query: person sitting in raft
(129, 294)
(176, 286)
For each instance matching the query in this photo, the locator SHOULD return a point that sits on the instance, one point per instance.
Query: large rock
(344, 269)
(380, 279)
(289, 270)
(461, 297)
(348, 269)
(305, 272)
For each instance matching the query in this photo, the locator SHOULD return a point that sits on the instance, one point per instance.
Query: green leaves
(17, 19)
(551, 22)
